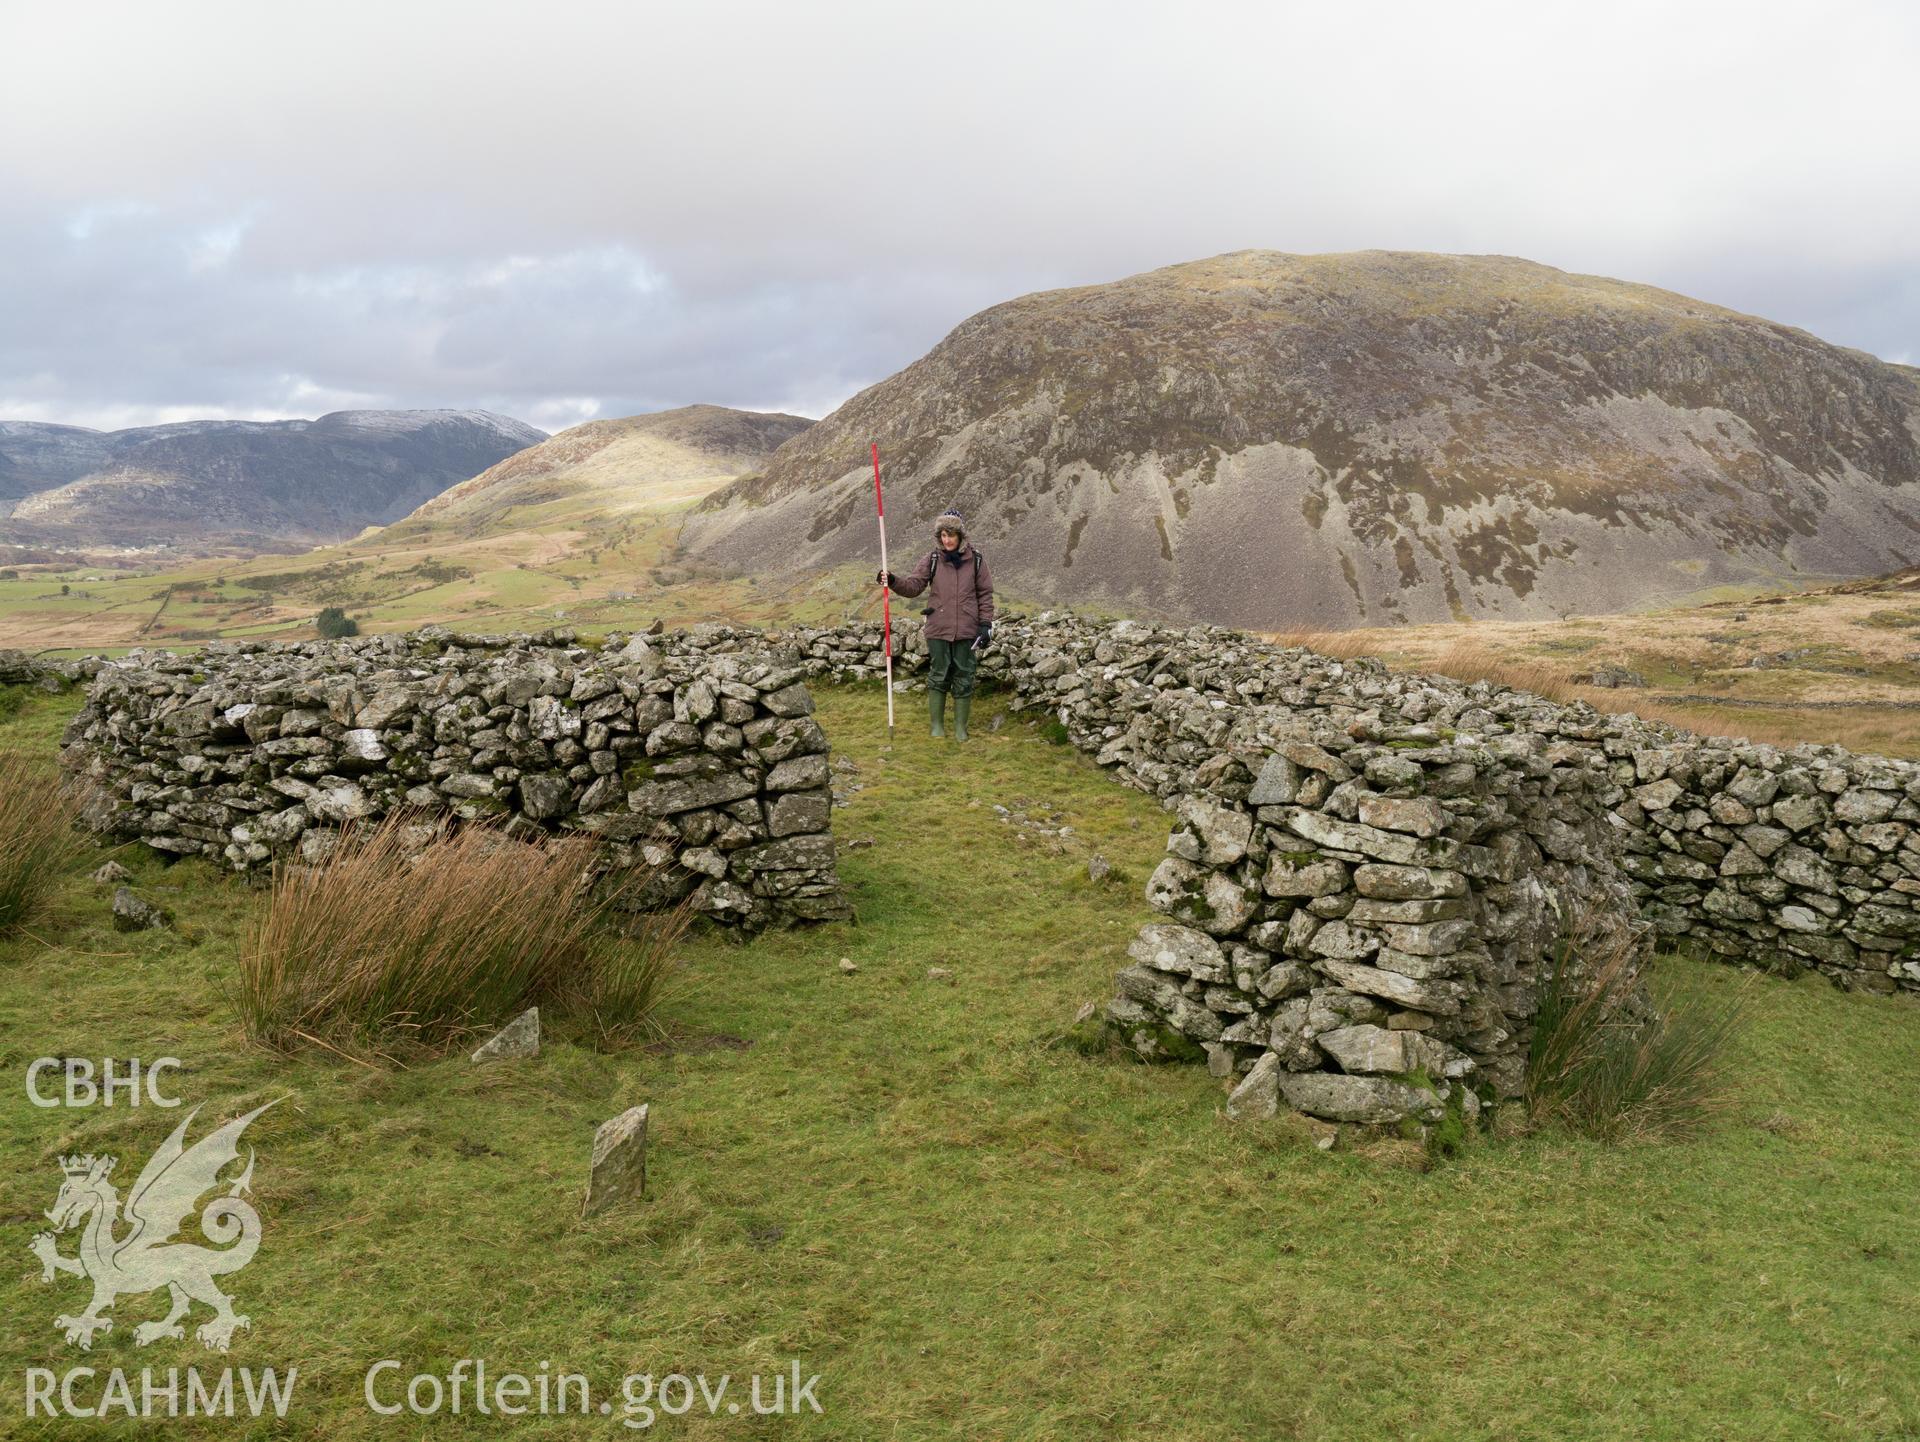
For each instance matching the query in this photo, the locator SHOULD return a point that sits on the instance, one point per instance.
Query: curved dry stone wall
(1807, 855)
(1364, 877)
(1367, 869)
(707, 771)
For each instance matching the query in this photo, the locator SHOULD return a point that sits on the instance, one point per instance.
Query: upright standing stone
(619, 1170)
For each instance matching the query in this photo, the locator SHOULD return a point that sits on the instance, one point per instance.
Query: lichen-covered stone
(518, 1040)
(254, 751)
(1257, 1097)
(1336, 1097)
(1180, 949)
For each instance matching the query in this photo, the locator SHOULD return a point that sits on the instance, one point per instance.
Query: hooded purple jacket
(961, 596)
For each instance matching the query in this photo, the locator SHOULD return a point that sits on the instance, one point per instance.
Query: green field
(967, 1229)
(516, 578)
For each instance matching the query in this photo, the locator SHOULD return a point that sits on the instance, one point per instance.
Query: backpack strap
(933, 569)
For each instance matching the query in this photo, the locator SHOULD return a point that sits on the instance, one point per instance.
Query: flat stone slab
(1367, 1099)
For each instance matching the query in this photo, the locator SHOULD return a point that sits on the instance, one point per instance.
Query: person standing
(959, 617)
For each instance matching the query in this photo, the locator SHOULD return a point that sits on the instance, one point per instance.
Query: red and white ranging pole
(886, 594)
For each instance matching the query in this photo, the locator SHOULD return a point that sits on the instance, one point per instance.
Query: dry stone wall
(1368, 870)
(52, 676)
(1802, 856)
(706, 771)
(1358, 902)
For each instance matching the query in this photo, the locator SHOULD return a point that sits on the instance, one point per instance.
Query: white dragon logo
(146, 1258)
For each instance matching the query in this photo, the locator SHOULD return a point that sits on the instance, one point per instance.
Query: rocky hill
(1275, 440)
(255, 485)
(36, 457)
(616, 465)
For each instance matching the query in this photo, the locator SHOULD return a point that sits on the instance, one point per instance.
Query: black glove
(885, 578)
(980, 640)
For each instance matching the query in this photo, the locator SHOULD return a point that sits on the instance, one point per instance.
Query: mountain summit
(1274, 440)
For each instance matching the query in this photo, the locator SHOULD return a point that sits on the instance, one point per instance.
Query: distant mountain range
(609, 466)
(238, 485)
(1277, 440)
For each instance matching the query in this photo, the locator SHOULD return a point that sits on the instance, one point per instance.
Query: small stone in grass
(940, 973)
(130, 913)
(847, 966)
(516, 1041)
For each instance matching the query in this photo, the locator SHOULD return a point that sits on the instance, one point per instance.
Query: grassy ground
(1839, 666)
(967, 1231)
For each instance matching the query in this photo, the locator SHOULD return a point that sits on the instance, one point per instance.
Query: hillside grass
(967, 1230)
(1838, 667)
(536, 567)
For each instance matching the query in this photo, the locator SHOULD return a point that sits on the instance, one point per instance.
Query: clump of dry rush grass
(1609, 1061)
(1470, 661)
(37, 842)
(1463, 660)
(412, 936)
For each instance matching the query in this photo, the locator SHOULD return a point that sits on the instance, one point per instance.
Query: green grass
(968, 1230)
(562, 562)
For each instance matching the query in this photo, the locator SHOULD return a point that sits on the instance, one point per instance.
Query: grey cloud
(613, 207)
(134, 320)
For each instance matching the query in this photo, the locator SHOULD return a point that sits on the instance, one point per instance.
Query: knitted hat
(949, 520)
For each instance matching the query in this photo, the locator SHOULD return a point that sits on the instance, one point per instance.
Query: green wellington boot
(937, 710)
(961, 706)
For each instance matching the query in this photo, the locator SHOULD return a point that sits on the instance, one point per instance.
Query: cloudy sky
(560, 210)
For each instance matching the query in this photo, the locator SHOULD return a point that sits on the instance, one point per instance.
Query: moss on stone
(1156, 1042)
(1095, 1036)
(1449, 1136)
